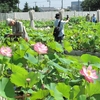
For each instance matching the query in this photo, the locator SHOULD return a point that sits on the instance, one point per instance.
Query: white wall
(42, 15)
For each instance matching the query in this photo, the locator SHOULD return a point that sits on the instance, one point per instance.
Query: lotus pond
(39, 70)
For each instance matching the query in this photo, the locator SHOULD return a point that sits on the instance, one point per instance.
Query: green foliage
(26, 7)
(6, 88)
(41, 94)
(4, 7)
(36, 8)
(87, 58)
(54, 92)
(55, 46)
(64, 89)
(20, 78)
(8, 5)
(90, 5)
(82, 97)
(51, 76)
(92, 89)
(83, 35)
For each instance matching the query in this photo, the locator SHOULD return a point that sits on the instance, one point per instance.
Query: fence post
(31, 15)
(98, 15)
(61, 12)
(74, 13)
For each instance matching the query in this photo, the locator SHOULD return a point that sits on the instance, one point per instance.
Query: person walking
(88, 19)
(93, 18)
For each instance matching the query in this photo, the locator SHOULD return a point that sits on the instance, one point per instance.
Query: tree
(90, 5)
(8, 5)
(36, 8)
(26, 7)
(4, 7)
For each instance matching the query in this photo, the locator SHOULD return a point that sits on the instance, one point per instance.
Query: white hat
(8, 20)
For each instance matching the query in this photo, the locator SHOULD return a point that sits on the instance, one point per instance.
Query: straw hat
(8, 20)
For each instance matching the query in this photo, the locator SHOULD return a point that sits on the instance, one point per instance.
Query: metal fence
(42, 15)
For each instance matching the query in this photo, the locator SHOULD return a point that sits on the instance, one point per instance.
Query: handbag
(57, 30)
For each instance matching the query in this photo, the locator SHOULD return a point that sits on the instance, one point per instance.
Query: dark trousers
(59, 39)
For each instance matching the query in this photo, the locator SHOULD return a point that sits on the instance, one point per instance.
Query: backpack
(57, 30)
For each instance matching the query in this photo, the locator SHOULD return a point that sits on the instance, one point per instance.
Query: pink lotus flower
(40, 48)
(6, 51)
(88, 73)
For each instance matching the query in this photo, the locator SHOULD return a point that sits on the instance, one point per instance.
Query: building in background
(76, 5)
(45, 9)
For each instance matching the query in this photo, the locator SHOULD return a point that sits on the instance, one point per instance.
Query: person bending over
(18, 29)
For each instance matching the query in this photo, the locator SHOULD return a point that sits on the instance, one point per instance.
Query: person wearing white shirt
(60, 36)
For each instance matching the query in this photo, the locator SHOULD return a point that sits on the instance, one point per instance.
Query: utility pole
(18, 5)
(49, 3)
(35, 3)
(78, 5)
(61, 4)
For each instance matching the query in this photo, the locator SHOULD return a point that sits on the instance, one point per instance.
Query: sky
(45, 3)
